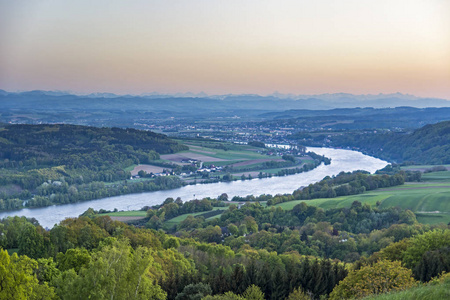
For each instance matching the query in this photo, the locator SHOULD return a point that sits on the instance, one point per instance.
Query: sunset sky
(227, 46)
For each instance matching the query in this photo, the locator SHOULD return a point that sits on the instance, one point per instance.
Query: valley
(217, 200)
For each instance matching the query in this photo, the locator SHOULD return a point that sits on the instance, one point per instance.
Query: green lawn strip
(439, 201)
(241, 155)
(130, 168)
(227, 155)
(412, 186)
(437, 176)
(213, 217)
(432, 218)
(221, 163)
(205, 145)
(177, 220)
(421, 167)
(130, 213)
(432, 199)
(422, 292)
(338, 202)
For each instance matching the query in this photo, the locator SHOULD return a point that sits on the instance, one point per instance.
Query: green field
(169, 223)
(421, 292)
(431, 201)
(412, 167)
(231, 156)
(130, 213)
(433, 218)
(210, 153)
(130, 168)
(437, 176)
(177, 220)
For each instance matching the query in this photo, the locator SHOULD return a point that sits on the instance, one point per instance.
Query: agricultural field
(132, 215)
(422, 167)
(177, 220)
(237, 159)
(437, 176)
(429, 199)
(211, 153)
(147, 168)
(126, 216)
(129, 213)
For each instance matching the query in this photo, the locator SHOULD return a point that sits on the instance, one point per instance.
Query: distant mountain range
(272, 102)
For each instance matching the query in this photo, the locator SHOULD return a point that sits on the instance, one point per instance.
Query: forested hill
(427, 145)
(52, 164)
(72, 145)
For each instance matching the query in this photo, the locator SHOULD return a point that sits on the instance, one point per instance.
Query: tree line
(95, 257)
(65, 163)
(426, 145)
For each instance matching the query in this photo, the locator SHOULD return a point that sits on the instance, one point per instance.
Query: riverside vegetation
(42, 165)
(254, 249)
(95, 257)
(251, 252)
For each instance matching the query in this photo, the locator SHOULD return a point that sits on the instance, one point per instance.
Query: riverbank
(204, 162)
(341, 160)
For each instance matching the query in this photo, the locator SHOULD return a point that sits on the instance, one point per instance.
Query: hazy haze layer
(252, 46)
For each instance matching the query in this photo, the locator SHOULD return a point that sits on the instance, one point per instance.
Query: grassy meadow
(129, 213)
(429, 199)
(422, 292)
(177, 220)
(243, 158)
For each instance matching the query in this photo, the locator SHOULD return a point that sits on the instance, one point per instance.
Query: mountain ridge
(244, 101)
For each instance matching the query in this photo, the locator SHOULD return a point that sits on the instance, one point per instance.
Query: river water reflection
(341, 160)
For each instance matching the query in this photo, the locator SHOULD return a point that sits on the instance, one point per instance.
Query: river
(341, 160)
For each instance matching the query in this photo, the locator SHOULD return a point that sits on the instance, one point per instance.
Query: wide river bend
(341, 160)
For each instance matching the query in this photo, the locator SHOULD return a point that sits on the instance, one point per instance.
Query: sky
(227, 46)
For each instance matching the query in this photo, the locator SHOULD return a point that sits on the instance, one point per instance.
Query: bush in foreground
(381, 277)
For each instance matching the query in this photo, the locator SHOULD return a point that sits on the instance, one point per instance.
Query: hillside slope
(52, 164)
(427, 145)
(74, 145)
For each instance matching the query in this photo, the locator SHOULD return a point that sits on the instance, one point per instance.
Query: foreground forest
(94, 257)
(252, 248)
(248, 252)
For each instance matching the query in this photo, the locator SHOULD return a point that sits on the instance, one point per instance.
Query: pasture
(443, 176)
(242, 158)
(429, 200)
(128, 213)
(422, 167)
(177, 220)
(126, 216)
